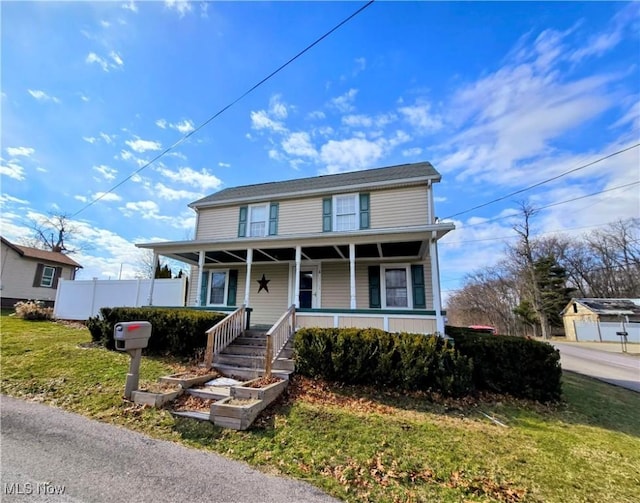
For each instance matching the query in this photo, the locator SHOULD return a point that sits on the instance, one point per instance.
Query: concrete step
(244, 373)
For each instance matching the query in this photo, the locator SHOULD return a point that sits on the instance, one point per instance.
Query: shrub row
(34, 310)
(178, 332)
(515, 365)
(374, 357)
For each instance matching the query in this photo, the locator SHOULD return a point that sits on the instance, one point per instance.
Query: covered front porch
(387, 280)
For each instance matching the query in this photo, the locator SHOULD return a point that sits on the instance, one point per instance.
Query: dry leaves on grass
(484, 486)
(192, 403)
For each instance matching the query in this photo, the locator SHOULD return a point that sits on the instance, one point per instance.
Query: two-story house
(32, 274)
(356, 249)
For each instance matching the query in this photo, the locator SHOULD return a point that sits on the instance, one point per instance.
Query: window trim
(226, 286)
(334, 211)
(267, 211)
(383, 285)
(42, 277)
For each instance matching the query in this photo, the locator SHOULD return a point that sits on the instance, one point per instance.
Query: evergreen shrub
(176, 332)
(375, 357)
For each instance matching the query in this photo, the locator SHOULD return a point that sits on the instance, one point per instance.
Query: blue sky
(498, 96)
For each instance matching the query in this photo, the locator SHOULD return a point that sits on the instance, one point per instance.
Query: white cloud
(344, 103)
(261, 120)
(419, 116)
(131, 5)
(164, 192)
(277, 108)
(6, 198)
(146, 209)
(182, 7)
(92, 58)
(299, 144)
(42, 96)
(367, 121)
(106, 137)
(316, 115)
(19, 151)
(352, 154)
(90, 139)
(117, 59)
(84, 98)
(105, 24)
(224, 164)
(140, 145)
(186, 126)
(201, 179)
(106, 196)
(107, 172)
(411, 152)
(12, 170)
(161, 123)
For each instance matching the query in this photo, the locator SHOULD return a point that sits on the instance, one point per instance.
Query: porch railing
(224, 333)
(278, 336)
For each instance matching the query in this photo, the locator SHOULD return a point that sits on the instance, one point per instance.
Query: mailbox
(132, 335)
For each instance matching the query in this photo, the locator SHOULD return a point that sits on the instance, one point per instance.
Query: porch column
(435, 285)
(352, 274)
(198, 300)
(153, 278)
(247, 283)
(296, 289)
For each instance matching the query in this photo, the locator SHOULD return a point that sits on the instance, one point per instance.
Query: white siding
(335, 285)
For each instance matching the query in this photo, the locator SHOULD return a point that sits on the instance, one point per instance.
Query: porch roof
(399, 243)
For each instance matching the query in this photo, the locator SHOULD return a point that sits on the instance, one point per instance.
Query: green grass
(363, 444)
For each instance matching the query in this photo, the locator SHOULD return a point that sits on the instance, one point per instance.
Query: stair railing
(278, 336)
(224, 333)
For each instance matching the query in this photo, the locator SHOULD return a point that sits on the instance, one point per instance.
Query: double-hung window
(218, 285)
(396, 287)
(258, 219)
(48, 274)
(346, 212)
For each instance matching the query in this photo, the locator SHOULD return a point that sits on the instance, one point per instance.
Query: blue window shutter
(374, 287)
(364, 211)
(242, 221)
(326, 214)
(205, 285)
(417, 284)
(233, 287)
(273, 219)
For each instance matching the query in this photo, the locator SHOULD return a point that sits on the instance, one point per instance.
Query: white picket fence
(79, 300)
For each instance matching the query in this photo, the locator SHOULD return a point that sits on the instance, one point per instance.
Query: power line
(545, 181)
(556, 204)
(224, 109)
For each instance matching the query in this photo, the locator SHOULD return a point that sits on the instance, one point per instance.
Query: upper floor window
(345, 212)
(258, 220)
(47, 276)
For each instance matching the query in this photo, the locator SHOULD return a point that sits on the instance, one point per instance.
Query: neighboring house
(355, 249)
(602, 319)
(32, 274)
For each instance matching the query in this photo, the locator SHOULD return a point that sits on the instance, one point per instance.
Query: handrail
(224, 333)
(278, 336)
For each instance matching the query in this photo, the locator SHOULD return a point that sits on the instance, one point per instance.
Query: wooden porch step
(193, 414)
(210, 392)
(250, 341)
(245, 373)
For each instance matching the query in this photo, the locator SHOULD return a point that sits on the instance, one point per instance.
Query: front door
(308, 287)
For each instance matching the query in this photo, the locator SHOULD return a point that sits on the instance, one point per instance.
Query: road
(615, 368)
(46, 450)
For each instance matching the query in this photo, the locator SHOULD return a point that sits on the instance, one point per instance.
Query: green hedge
(515, 365)
(178, 332)
(374, 357)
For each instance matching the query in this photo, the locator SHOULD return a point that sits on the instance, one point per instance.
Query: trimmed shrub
(177, 332)
(375, 357)
(33, 310)
(515, 365)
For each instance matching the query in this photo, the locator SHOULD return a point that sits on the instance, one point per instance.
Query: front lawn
(363, 444)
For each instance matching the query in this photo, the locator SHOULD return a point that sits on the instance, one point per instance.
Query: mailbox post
(132, 337)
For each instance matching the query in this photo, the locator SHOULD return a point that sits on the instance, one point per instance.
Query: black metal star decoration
(263, 284)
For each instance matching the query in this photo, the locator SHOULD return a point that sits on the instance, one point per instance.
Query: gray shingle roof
(612, 306)
(420, 170)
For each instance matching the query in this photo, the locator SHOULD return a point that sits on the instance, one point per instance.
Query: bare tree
(146, 266)
(53, 233)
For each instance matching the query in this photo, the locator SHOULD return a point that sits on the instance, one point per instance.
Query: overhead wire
(538, 184)
(225, 108)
